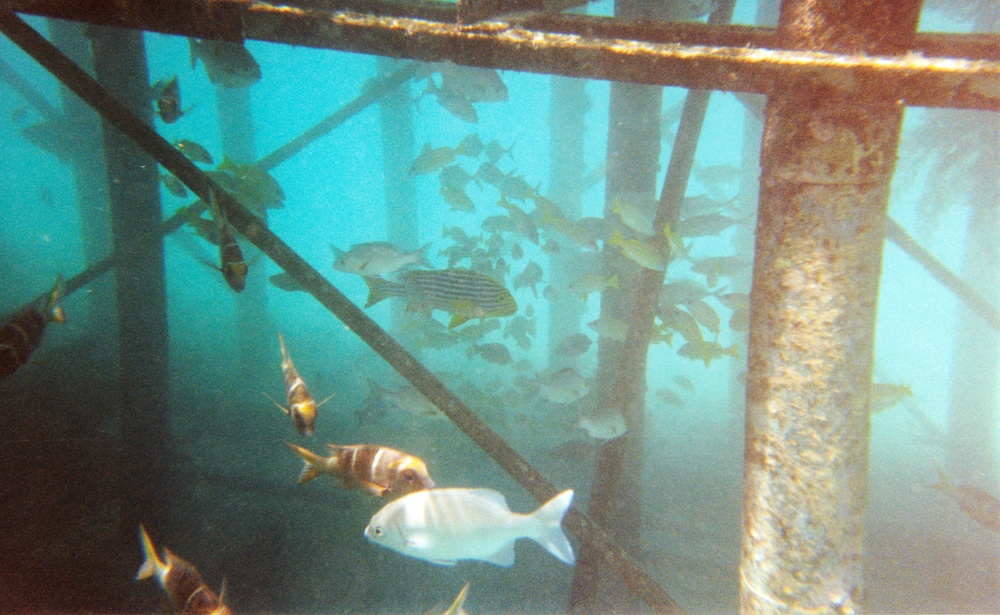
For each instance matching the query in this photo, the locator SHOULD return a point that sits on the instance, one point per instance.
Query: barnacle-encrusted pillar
(827, 161)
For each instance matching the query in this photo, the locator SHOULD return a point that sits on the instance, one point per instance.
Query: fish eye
(377, 531)
(409, 476)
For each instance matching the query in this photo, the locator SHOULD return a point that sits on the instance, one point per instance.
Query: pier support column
(827, 162)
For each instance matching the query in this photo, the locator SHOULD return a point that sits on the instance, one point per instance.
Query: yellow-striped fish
(462, 293)
(231, 263)
(378, 470)
(22, 334)
(301, 405)
(179, 580)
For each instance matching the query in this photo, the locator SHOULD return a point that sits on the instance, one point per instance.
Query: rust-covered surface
(694, 55)
(827, 163)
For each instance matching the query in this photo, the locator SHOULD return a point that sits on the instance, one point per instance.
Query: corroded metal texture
(827, 163)
(699, 56)
(818, 259)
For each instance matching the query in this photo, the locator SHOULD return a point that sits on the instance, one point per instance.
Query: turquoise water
(232, 507)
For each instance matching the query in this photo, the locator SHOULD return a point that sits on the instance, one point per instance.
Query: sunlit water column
(827, 161)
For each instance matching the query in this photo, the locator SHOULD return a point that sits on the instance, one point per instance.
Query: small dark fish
(194, 151)
(489, 173)
(454, 176)
(498, 225)
(522, 329)
(251, 184)
(472, 83)
(470, 146)
(23, 332)
(494, 352)
(705, 225)
(495, 151)
(431, 159)
(179, 580)
(574, 345)
(979, 505)
(513, 187)
(231, 263)
(285, 282)
(173, 185)
(529, 277)
(227, 64)
(379, 470)
(516, 252)
(684, 382)
(167, 98)
(669, 397)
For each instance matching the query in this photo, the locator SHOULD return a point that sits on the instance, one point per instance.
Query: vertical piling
(89, 179)
(256, 330)
(396, 124)
(140, 284)
(568, 106)
(633, 155)
(827, 161)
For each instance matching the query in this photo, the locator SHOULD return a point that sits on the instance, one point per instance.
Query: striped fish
(179, 580)
(22, 334)
(232, 265)
(301, 405)
(376, 469)
(462, 293)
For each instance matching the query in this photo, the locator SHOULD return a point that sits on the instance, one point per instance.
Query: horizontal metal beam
(689, 55)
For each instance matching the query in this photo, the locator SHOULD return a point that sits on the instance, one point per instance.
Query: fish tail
(312, 463)
(284, 351)
(550, 535)
(617, 239)
(152, 562)
(613, 281)
(53, 311)
(380, 288)
(423, 259)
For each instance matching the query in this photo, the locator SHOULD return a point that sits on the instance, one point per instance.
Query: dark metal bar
(373, 93)
(336, 302)
(964, 291)
(20, 85)
(908, 77)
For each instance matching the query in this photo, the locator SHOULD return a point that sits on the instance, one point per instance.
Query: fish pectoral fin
(418, 541)
(280, 407)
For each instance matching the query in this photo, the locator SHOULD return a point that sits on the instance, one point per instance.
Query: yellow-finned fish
(463, 293)
(301, 405)
(378, 470)
(231, 263)
(23, 332)
(180, 581)
(640, 252)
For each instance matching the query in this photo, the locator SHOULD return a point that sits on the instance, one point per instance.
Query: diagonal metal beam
(255, 231)
(695, 56)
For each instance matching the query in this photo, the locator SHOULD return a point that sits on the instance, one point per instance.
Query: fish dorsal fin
(488, 495)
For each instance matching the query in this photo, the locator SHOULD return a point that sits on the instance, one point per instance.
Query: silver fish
(443, 526)
(378, 258)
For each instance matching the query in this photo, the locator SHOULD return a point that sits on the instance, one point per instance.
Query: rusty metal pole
(827, 161)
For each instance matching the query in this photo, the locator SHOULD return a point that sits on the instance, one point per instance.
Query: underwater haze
(502, 175)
